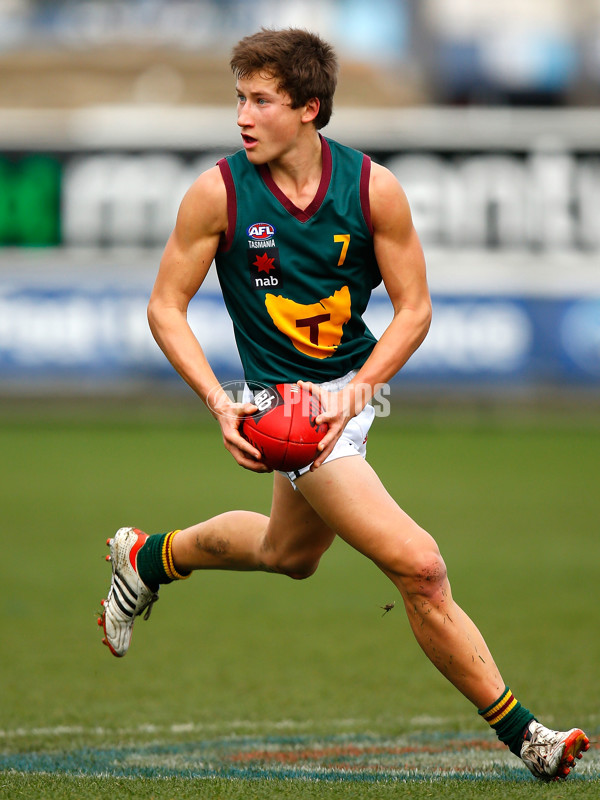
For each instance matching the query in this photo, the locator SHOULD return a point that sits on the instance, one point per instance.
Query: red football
(284, 427)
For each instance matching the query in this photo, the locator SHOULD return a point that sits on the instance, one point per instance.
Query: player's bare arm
(402, 266)
(189, 252)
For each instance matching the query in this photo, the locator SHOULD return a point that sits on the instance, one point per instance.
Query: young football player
(327, 225)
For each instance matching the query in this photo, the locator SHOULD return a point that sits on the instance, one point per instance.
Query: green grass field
(256, 686)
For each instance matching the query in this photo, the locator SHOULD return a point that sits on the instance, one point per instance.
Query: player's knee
(426, 575)
(303, 574)
(299, 569)
(297, 566)
(421, 572)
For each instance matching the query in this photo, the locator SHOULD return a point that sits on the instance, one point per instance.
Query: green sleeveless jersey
(297, 282)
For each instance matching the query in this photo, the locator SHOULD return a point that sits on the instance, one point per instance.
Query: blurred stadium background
(487, 110)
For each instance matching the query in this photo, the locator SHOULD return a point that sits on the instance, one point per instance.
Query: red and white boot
(128, 596)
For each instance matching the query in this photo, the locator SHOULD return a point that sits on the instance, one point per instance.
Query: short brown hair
(304, 65)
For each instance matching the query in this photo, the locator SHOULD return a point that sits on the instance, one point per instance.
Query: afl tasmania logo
(261, 231)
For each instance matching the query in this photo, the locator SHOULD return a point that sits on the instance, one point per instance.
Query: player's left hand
(339, 407)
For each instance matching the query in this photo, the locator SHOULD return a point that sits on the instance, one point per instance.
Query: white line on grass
(180, 727)
(224, 727)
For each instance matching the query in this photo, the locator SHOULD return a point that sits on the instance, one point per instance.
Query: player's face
(269, 125)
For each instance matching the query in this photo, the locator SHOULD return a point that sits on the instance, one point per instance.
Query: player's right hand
(230, 418)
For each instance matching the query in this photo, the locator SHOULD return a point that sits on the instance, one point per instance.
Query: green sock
(155, 561)
(150, 565)
(509, 719)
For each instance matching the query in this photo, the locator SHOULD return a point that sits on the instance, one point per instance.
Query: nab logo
(265, 269)
(261, 231)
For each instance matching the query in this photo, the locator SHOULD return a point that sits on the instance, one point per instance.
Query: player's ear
(312, 108)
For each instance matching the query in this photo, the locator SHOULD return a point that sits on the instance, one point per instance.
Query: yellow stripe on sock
(167, 559)
(504, 712)
(503, 707)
